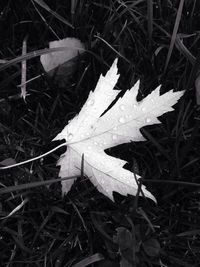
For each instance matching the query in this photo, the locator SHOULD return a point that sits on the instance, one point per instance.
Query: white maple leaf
(90, 134)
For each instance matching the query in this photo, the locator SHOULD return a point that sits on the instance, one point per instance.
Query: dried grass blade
(24, 68)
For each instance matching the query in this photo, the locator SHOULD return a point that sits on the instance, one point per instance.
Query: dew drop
(135, 105)
(148, 120)
(95, 143)
(143, 109)
(121, 120)
(114, 137)
(122, 107)
(90, 102)
(70, 136)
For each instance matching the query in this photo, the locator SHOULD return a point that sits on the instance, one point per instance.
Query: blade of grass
(89, 260)
(159, 147)
(56, 15)
(175, 30)
(13, 188)
(21, 245)
(150, 20)
(171, 182)
(23, 73)
(43, 19)
(144, 215)
(32, 79)
(44, 222)
(179, 45)
(119, 54)
(194, 72)
(80, 216)
(16, 209)
(189, 233)
(182, 48)
(37, 53)
(73, 8)
(82, 166)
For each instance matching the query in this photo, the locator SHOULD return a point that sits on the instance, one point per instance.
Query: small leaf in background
(197, 85)
(152, 247)
(62, 63)
(8, 162)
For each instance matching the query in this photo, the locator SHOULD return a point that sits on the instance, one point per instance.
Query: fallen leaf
(90, 134)
(62, 63)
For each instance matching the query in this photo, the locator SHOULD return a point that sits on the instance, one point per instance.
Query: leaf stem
(33, 159)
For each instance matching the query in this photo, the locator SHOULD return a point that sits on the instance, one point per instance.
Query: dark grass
(85, 227)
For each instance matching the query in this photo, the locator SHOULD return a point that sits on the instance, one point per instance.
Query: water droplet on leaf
(121, 120)
(70, 136)
(129, 116)
(114, 137)
(122, 107)
(90, 102)
(148, 120)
